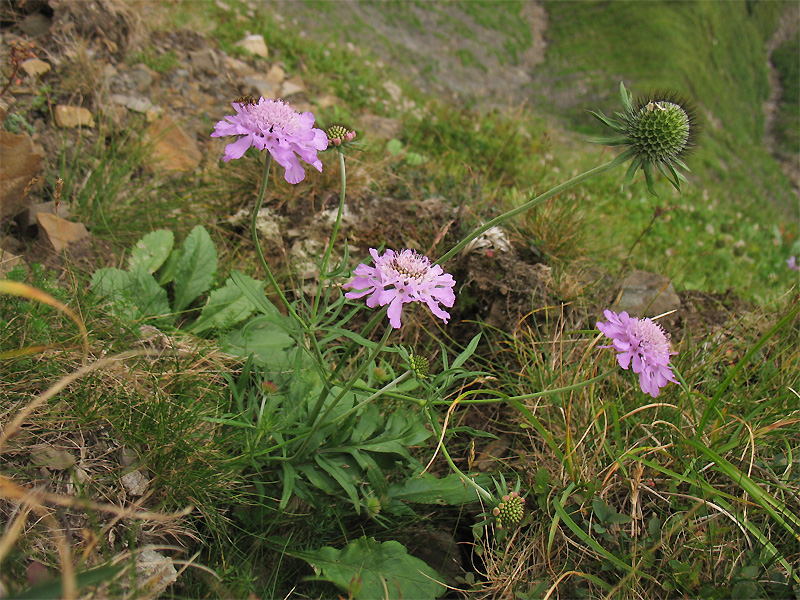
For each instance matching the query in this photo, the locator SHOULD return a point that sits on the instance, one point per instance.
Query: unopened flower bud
(339, 134)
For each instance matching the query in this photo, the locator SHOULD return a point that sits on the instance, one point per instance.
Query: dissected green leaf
(254, 290)
(225, 307)
(344, 470)
(196, 267)
(369, 569)
(151, 251)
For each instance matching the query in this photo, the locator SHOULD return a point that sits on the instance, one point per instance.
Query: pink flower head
(277, 127)
(643, 344)
(791, 262)
(401, 277)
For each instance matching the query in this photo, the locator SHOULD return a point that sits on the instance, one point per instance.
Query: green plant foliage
(54, 589)
(195, 269)
(225, 307)
(151, 251)
(428, 489)
(368, 569)
(155, 269)
(134, 296)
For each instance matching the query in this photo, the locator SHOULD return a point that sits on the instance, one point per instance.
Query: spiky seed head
(659, 130)
(419, 366)
(663, 126)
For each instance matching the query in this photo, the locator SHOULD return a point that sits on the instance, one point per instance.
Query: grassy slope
(739, 210)
(457, 140)
(735, 223)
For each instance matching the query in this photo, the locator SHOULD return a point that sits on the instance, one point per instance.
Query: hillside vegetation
(195, 409)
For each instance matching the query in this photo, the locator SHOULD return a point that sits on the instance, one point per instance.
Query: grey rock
(261, 87)
(35, 25)
(647, 295)
(205, 60)
(142, 77)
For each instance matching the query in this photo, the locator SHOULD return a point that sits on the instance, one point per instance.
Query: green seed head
(660, 131)
(419, 365)
(510, 510)
(339, 134)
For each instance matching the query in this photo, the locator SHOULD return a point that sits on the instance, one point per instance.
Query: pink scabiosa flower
(277, 127)
(401, 277)
(640, 343)
(791, 262)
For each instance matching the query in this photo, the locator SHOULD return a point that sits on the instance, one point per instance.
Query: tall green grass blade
(592, 543)
(774, 507)
(711, 408)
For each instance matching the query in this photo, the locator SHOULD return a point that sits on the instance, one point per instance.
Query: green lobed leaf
(151, 251)
(368, 569)
(196, 267)
(268, 343)
(167, 272)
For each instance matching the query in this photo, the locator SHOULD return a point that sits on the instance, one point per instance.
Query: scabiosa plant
(643, 345)
(659, 129)
(398, 278)
(277, 127)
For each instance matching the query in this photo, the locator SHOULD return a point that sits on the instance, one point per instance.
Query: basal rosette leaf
(196, 268)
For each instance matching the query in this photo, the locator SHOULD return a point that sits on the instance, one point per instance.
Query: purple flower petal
(642, 346)
(272, 125)
(399, 278)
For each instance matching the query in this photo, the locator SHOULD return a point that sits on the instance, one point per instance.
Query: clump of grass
(163, 62)
(634, 499)
(143, 408)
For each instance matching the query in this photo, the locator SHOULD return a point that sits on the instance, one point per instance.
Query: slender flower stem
(324, 267)
(531, 396)
(338, 221)
(437, 431)
(254, 232)
(396, 381)
(318, 360)
(527, 206)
